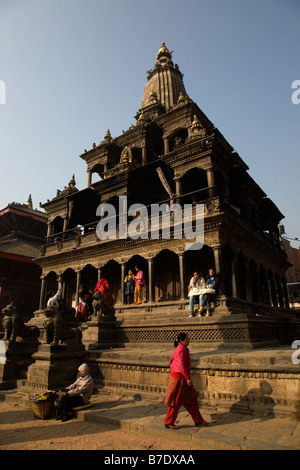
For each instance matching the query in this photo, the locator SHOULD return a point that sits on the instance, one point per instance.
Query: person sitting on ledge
(196, 283)
(212, 282)
(76, 394)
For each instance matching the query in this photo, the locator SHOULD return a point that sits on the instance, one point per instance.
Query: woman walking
(180, 389)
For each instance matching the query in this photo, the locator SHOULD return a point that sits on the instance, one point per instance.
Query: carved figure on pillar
(56, 329)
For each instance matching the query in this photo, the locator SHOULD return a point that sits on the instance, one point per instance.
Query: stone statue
(14, 326)
(99, 306)
(56, 330)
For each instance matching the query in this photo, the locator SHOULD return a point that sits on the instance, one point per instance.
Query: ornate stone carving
(126, 155)
(14, 326)
(56, 329)
(99, 306)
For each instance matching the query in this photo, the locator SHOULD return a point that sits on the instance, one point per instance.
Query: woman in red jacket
(180, 389)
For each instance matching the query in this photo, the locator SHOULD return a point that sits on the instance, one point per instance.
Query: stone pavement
(128, 423)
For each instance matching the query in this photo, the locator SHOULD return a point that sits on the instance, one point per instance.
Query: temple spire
(164, 81)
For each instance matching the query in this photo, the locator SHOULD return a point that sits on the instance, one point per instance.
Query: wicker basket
(43, 408)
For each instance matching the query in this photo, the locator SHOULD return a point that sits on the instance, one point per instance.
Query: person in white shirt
(196, 283)
(54, 299)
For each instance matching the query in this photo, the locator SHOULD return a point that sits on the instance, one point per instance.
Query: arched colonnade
(168, 274)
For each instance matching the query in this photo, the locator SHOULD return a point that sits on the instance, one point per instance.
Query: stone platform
(263, 381)
(234, 323)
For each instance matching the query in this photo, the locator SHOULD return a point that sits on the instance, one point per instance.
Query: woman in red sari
(180, 389)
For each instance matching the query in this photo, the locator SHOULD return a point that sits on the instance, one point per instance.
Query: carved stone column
(65, 226)
(43, 292)
(177, 180)
(181, 275)
(166, 145)
(233, 275)
(151, 279)
(247, 281)
(49, 229)
(89, 179)
(219, 267)
(78, 279)
(123, 274)
(211, 182)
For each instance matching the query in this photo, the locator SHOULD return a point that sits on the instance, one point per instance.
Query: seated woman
(76, 394)
(212, 282)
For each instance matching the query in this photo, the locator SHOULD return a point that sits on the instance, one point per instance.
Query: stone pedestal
(99, 333)
(15, 357)
(55, 367)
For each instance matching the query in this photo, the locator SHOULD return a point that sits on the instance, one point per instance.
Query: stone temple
(241, 238)
(174, 153)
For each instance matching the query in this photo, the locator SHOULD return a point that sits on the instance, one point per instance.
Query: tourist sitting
(196, 283)
(76, 394)
(212, 282)
(84, 308)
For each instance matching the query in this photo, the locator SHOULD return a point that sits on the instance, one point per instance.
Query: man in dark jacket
(212, 281)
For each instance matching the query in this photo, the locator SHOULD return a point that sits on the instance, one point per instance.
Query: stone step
(148, 418)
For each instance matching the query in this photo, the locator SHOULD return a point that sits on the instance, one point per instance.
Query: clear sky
(72, 69)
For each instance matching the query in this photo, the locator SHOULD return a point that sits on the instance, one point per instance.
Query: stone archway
(89, 277)
(142, 263)
(69, 279)
(166, 276)
(200, 261)
(111, 271)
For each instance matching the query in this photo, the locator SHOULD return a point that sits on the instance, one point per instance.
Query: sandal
(170, 426)
(202, 423)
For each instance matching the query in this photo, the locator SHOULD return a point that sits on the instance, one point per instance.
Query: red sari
(179, 392)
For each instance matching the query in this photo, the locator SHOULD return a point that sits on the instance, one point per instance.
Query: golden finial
(197, 129)
(196, 124)
(164, 52)
(29, 202)
(107, 136)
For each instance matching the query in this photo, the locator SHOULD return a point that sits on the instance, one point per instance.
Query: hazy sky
(71, 69)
